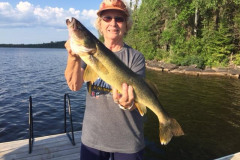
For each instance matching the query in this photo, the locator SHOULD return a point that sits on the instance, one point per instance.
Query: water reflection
(207, 108)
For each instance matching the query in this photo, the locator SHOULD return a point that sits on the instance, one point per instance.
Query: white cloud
(5, 6)
(26, 14)
(90, 14)
(6, 9)
(25, 7)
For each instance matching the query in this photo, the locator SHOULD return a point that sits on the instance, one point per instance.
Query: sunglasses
(109, 19)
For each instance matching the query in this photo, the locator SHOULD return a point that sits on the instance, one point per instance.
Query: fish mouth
(75, 26)
(81, 40)
(71, 23)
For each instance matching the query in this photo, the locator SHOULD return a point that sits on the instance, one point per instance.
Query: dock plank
(48, 147)
(62, 154)
(41, 140)
(38, 146)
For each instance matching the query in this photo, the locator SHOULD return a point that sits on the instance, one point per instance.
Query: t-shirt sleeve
(138, 64)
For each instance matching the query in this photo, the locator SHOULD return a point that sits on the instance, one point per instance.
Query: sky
(43, 21)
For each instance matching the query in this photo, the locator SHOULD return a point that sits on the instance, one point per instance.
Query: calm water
(38, 73)
(208, 108)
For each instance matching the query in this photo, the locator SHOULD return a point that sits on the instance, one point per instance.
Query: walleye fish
(104, 63)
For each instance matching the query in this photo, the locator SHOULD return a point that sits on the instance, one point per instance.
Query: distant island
(58, 44)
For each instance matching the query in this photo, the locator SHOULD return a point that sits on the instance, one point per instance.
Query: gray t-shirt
(106, 127)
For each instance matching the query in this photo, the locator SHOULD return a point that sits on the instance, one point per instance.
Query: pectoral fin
(100, 67)
(141, 108)
(90, 75)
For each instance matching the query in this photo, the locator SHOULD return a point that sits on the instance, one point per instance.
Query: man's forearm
(74, 73)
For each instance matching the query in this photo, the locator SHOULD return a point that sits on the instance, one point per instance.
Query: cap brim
(112, 8)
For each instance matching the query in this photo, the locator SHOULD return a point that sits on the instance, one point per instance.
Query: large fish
(104, 63)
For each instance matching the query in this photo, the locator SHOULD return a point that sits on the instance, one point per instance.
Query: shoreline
(192, 70)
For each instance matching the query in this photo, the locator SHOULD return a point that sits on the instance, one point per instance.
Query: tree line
(182, 32)
(58, 44)
(186, 32)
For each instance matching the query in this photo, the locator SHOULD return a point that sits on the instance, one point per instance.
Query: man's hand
(71, 54)
(126, 99)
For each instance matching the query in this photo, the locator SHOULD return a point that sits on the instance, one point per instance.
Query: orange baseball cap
(119, 5)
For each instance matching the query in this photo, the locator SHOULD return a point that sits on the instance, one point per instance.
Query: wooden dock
(55, 147)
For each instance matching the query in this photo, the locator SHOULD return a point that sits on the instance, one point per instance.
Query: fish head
(81, 40)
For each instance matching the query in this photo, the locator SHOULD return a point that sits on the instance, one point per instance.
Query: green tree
(185, 32)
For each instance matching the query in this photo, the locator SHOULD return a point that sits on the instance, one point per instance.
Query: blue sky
(43, 21)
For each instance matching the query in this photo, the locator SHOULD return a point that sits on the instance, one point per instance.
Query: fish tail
(168, 130)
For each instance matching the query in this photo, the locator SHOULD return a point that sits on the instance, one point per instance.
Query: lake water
(38, 73)
(207, 108)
